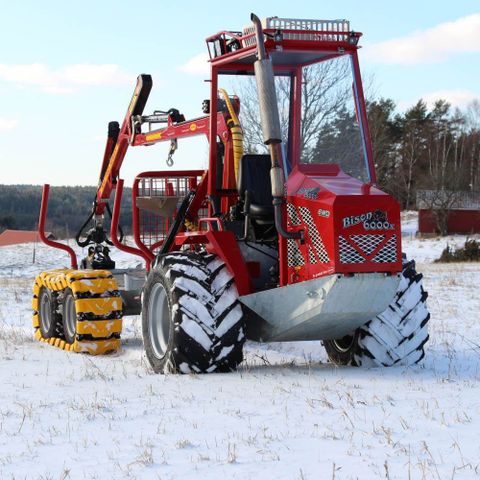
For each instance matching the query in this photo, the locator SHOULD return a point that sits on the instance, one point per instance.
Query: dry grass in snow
(286, 414)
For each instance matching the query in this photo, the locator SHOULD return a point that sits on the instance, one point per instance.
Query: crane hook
(173, 148)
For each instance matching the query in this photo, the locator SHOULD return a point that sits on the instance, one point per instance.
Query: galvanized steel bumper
(320, 309)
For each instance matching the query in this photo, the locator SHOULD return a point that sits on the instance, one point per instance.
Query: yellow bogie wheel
(47, 314)
(69, 317)
(91, 310)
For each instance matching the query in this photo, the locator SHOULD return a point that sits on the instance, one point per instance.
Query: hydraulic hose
(237, 133)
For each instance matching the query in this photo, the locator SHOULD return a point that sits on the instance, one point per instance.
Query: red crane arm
(119, 139)
(117, 143)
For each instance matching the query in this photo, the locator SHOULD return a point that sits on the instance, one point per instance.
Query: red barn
(463, 211)
(14, 237)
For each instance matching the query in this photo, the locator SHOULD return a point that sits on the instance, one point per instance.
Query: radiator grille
(314, 235)
(292, 215)
(388, 253)
(347, 253)
(366, 245)
(294, 256)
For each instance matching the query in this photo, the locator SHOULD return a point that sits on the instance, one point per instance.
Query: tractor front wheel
(192, 321)
(394, 337)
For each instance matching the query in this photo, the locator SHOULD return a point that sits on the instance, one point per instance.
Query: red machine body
(285, 237)
(347, 224)
(350, 226)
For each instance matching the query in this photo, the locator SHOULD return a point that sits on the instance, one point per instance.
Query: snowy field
(286, 414)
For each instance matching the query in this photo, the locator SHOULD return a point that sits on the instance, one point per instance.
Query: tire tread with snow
(205, 326)
(396, 336)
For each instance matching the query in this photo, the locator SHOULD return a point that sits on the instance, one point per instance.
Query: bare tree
(445, 179)
(325, 89)
(412, 150)
(440, 203)
(472, 150)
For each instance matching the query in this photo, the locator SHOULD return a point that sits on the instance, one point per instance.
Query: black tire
(50, 320)
(192, 321)
(340, 351)
(69, 316)
(396, 336)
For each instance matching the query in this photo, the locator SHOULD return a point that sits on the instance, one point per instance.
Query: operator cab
(324, 148)
(322, 122)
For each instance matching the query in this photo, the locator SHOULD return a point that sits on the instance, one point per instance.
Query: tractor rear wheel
(394, 337)
(192, 321)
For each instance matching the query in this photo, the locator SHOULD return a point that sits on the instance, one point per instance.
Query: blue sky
(67, 68)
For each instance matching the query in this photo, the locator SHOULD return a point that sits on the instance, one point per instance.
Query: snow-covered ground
(286, 414)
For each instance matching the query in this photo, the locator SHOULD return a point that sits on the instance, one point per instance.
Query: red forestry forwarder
(296, 243)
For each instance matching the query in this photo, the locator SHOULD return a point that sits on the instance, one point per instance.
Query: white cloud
(7, 124)
(432, 45)
(456, 98)
(197, 65)
(66, 79)
(88, 74)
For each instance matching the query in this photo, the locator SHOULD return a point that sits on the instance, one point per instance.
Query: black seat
(255, 187)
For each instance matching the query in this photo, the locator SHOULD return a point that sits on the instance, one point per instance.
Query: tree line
(436, 148)
(68, 208)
